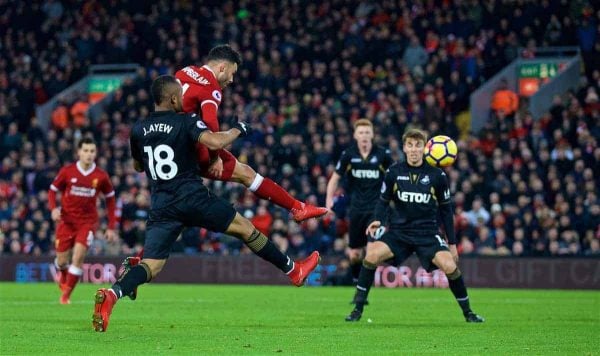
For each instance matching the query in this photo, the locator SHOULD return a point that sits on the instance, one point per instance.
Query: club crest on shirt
(425, 180)
(95, 183)
(73, 180)
(374, 159)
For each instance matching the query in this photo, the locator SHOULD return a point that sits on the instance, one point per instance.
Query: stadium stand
(522, 187)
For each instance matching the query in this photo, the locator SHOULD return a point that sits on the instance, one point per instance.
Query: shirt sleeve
(60, 181)
(134, 146)
(442, 192)
(107, 188)
(387, 158)
(195, 127)
(387, 190)
(342, 164)
(442, 189)
(209, 114)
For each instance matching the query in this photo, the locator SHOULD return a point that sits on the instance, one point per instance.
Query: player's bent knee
(240, 227)
(454, 275)
(354, 255)
(369, 264)
(448, 266)
(244, 174)
(152, 267)
(373, 259)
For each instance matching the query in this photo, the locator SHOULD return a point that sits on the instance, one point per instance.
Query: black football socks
(457, 286)
(128, 282)
(355, 270)
(265, 249)
(365, 281)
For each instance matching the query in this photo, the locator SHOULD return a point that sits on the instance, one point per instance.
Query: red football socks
(272, 191)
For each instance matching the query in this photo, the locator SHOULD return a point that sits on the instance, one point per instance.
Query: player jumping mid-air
(202, 94)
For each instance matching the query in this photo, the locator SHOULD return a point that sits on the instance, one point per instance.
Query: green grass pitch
(232, 320)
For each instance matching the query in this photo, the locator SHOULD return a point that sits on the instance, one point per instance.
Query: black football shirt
(165, 144)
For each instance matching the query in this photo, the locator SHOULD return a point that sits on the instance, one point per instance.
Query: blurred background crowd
(522, 187)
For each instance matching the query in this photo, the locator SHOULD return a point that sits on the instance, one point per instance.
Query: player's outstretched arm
(332, 185)
(218, 140)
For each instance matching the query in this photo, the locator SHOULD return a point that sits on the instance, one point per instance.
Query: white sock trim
(75, 270)
(115, 293)
(293, 266)
(256, 183)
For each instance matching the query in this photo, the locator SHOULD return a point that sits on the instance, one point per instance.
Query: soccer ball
(441, 151)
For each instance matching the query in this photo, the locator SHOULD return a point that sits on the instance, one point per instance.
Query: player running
(77, 217)
(418, 191)
(163, 146)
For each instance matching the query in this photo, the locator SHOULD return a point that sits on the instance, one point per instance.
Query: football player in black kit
(163, 145)
(364, 165)
(418, 190)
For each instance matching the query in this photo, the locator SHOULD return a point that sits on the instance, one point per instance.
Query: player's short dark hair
(224, 52)
(86, 141)
(162, 87)
(416, 134)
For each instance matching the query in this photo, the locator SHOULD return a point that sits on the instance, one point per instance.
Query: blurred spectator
(60, 116)
(308, 73)
(504, 99)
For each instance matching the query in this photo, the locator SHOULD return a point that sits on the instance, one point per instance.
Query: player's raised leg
(444, 260)
(267, 189)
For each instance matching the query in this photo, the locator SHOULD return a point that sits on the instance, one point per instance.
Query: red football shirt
(201, 93)
(80, 191)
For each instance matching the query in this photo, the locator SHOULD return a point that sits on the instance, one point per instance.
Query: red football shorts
(68, 234)
(204, 159)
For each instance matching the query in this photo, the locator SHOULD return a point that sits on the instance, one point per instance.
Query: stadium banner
(487, 272)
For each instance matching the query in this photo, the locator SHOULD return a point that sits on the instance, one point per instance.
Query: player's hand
(111, 235)
(55, 214)
(216, 168)
(245, 128)
(453, 252)
(372, 228)
(329, 206)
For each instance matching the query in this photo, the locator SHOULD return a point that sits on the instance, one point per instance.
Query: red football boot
(128, 264)
(308, 211)
(303, 268)
(105, 300)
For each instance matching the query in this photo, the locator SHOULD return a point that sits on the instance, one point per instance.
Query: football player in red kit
(77, 217)
(202, 94)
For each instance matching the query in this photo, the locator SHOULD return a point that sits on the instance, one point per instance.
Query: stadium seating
(522, 187)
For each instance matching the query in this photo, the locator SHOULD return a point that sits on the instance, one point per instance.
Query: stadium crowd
(522, 187)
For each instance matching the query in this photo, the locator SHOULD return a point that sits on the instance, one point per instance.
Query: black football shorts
(403, 245)
(165, 224)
